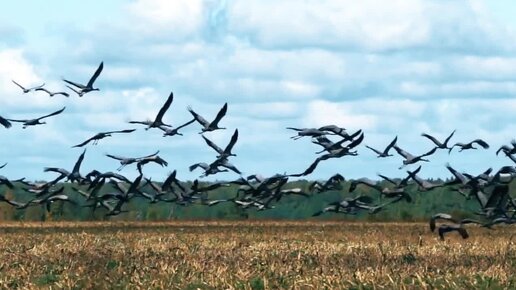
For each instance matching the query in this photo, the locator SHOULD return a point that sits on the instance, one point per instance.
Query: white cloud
(178, 18)
(320, 113)
(330, 23)
(484, 88)
(367, 25)
(14, 66)
(122, 74)
(401, 68)
(486, 67)
(293, 64)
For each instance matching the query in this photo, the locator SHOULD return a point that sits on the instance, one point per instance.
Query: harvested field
(252, 255)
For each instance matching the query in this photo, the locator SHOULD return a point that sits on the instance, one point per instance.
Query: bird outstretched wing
(95, 75)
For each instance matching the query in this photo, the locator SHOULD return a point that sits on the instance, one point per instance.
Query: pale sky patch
(401, 68)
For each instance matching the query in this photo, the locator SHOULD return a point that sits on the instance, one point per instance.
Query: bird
(218, 201)
(466, 146)
(365, 181)
(398, 192)
(337, 148)
(210, 126)
(128, 193)
(72, 176)
(446, 228)
(508, 150)
(403, 182)
(172, 180)
(26, 90)
(226, 152)
(124, 161)
(196, 189)
(333, 183)
(47, 201)
(51, 94)
(174, 131)
(347, 206)
(102, 176)
(16, 204)
(510, 156)
(504, 175)
(411, 159)
(5, 181)
(223, 161)
(458, 225)
(37, 121)
(459, 178)
(78, 92)
(311, 132)
(385, 152)
(160, 191)
(75, 175)
(4, 122)
(102, 135)
(440, 216)
(377, 208)
(83, 89)
(501, 220)
(437, 143)
(279, 192)
(322, 131)
(334, 129)
(209, 169)
(424, 185)
(158, 120)
(117, 209)
(154, 158)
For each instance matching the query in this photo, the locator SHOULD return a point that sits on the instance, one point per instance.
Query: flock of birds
(490, 189)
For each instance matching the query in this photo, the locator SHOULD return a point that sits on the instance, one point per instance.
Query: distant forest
(423, 205)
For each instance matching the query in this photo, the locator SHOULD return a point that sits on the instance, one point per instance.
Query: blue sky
(401, 69)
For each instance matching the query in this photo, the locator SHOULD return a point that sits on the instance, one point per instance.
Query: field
(252, 255)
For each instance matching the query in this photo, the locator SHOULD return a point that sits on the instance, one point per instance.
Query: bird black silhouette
(83, 89)
(158, 121)
(210, 126)
(437, 143)
(51, 94)
(411, 159)
(37, 121)
(26, 90)
(102, 135)
(226, 152)
(174, 131)
(467, 146)
(385, 152)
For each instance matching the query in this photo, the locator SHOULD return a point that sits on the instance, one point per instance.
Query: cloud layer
(400, 69)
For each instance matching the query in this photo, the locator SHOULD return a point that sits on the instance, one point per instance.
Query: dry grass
(257, 255)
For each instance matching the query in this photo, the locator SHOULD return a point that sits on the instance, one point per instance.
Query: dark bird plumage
(37, 121)
(213, 125)
(83, 89)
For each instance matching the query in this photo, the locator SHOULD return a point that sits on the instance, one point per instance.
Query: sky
(401, 69)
